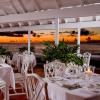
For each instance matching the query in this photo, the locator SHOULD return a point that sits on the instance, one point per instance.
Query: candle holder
(93, 69)
(89, 73)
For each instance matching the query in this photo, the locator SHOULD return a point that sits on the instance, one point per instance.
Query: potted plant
(4, 54)
(63, 52)
(4, 51)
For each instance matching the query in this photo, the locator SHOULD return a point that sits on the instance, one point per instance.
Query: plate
(70, 76)
(93, 88)
(54, 79)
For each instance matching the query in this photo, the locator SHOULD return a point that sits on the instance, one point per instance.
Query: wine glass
(93, 69)
(88, 73)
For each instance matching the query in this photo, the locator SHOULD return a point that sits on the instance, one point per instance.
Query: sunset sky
(49, 35)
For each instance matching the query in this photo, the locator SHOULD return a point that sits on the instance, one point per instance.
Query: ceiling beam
(58, 3)
(52, 26)
(2, 26)
(84, 2)
(82, 11)
(22, 5)
(10, 24)
(36, 4)
(4, 10)
(19, 23)
(14, 7)
(29, 23)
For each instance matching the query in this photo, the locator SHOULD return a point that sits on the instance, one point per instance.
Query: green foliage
(4, 51)
(64, 52)
(22, 49)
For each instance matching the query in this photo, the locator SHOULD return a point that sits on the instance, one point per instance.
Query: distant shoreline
(65, 42)
(94, 48)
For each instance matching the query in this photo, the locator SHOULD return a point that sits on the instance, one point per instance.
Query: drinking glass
(93, 69)
(88, 73)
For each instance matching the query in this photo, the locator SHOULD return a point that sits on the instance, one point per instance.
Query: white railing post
(29, 41)
(78, 40)
(57, 32)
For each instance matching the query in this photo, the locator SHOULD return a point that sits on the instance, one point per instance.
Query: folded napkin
(93, 87)
(71, 87)
(68, 85)
(55, 79)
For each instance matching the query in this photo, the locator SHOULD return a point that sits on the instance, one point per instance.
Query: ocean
(93, 48)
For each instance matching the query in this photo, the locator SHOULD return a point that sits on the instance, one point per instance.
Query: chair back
(31, 59)
(3, 88)
(16, 61)
(25, 52)
(73, 68)
(2, 59)
(54, 68)
(24, 68)
(37, 88)
(86, 58)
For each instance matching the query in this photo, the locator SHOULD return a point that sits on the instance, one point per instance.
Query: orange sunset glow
(48, 37)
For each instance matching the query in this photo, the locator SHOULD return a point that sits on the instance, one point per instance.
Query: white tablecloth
(57, 92)
(7, 74)
(18, 58)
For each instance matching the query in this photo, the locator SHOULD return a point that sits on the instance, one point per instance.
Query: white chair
(79, 54)
(21, 77)
(72, 69)
(16, 61)
(25, 52)
(37, 87)
(32, 60)
(86, 59)
(2, 59)
(3, 88)
(54, 68)
(8, 60)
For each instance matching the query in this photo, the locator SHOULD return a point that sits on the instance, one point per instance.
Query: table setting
(85, 85)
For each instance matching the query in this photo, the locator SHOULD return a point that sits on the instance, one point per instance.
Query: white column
(29, 41)
(57, 32)
(78, 40)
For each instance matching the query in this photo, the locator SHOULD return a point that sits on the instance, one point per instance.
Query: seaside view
(90, 39)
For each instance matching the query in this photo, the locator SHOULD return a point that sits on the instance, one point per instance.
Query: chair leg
(7, 93)
(26, 90)
(4, 90)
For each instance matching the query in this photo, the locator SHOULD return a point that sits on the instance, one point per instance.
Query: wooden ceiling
(15, 14)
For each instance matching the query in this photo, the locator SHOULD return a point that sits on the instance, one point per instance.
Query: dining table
(18, 59)
(73, 88)
(7, 74)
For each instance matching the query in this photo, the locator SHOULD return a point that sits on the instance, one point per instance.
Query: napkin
(68, 85)
(71, 87)
(54, 79)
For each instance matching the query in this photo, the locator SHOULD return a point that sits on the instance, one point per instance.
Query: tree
(85, 31)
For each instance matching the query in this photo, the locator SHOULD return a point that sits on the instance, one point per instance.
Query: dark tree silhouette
(73, 32)
(85, 31)
(88, 39)
(33, 33)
